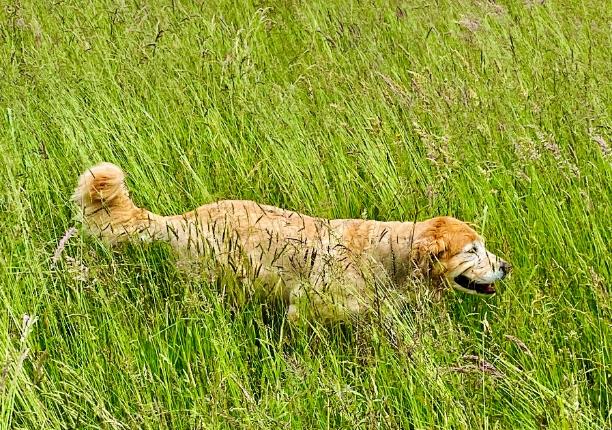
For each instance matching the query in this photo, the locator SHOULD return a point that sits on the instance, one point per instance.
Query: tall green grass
(494, 112)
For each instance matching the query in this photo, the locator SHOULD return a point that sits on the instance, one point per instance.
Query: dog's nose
(505, 267)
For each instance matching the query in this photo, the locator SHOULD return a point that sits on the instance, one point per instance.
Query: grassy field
(494, 112)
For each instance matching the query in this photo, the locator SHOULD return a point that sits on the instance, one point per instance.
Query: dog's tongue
(486, 289)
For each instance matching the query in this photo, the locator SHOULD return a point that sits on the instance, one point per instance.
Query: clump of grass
(331, 108)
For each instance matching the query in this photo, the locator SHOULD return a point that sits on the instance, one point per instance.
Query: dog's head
(455, 252)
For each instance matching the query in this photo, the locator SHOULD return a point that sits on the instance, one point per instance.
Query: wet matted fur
(333, 269)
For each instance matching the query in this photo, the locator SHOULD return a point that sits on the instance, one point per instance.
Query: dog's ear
(432, 247)
(429, 250)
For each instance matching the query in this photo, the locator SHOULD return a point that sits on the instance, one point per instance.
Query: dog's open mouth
(468, 284)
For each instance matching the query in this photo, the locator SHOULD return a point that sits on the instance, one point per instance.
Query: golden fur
(333, 267)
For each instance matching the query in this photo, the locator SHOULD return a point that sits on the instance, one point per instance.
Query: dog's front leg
(297, 299)
(328, 303)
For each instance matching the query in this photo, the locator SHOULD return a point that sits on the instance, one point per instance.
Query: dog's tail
(106, 207)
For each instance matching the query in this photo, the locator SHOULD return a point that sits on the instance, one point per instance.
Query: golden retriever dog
(330, 269)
